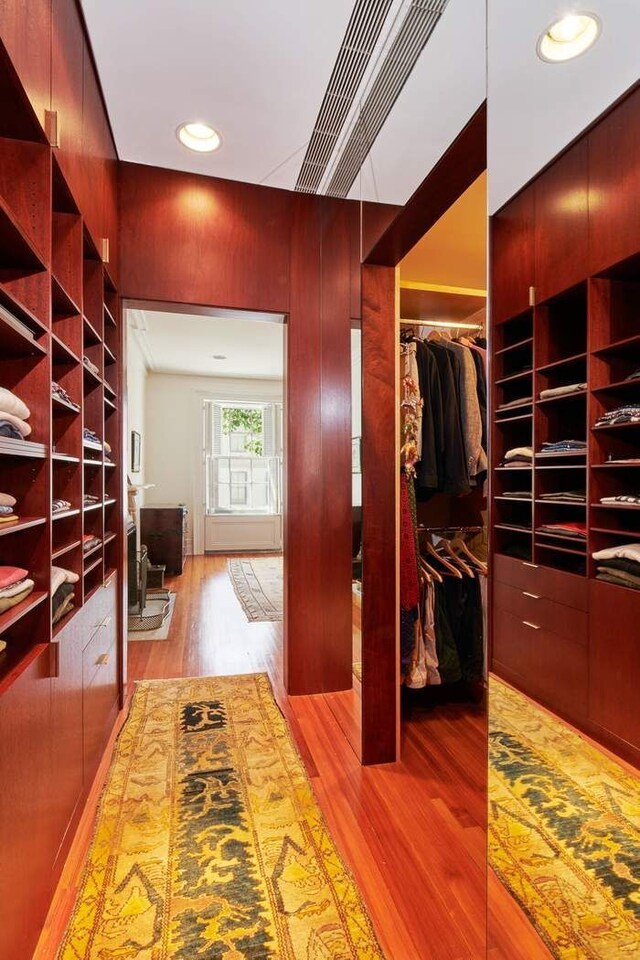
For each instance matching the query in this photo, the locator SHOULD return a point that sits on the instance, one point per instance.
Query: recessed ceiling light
(218, 356)
(569, 37)
(199, 136)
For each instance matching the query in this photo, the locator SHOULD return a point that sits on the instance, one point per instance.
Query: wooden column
(380, 481)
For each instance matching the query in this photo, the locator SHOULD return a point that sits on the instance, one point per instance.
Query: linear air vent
(363, 31)
(417, 26)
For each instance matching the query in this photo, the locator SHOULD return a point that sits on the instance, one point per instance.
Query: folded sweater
(11, 575)
(13, 404)
(23, 428)
(628, 551)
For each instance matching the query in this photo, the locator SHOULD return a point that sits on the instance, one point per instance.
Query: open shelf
(63, 514)
(527, 342)
(619, 346)
(562, 362)
(67, 548)
(24, 523)
(16, 249)
(61, 351)
(65, 458)
(562, 398)
(93, 565)
(22, 448)
(61, 407)
(11, 616)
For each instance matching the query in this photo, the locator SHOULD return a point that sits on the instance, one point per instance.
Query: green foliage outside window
(244, 420)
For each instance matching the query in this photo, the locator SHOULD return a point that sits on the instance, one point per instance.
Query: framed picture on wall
(356, 444)
(136, 441)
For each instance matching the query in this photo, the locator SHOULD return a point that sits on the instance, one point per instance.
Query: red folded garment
(11, 575)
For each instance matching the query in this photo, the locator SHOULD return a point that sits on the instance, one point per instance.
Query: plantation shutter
(269, 430)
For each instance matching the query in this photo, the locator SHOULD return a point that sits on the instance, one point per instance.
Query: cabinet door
(100, 691)
(66, 88)
(28, 840)
(614, 185)
(561, 223)
(26, 33)
(512, 257)
(91, 199)
(614, 674)
(66, 705)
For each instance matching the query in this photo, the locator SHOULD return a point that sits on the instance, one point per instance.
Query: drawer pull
(532, 596)
(525, 563)
(103, 660)
(533, 626)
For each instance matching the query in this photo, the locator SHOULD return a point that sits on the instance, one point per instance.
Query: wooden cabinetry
(164, 531)
(512, 253)
(560, 633)
(59, 682)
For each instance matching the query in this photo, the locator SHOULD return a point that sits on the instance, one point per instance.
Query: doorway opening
(206, 466)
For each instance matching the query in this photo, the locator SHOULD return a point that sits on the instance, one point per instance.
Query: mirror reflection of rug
(564, 831)
(209, 841)
(258, 583)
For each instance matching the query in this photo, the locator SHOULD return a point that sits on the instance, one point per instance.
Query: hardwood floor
(412, 832)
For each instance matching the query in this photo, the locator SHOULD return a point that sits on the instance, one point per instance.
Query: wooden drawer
(101, 606)
(565, 588)
(551, 668)
(537, 610)
(100, 694)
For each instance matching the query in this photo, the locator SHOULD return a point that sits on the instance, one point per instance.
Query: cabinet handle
(103, 660)
(534, 566)
(532, 596)
(534, 626)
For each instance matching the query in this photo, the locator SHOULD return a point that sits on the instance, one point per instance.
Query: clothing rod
(423, 529)
(454, 325)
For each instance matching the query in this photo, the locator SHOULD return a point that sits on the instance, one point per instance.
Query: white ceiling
(534, 108)
(185, 343)
(257, 71)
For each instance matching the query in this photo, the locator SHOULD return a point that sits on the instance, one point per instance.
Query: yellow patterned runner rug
(209, 844)
(564, 832)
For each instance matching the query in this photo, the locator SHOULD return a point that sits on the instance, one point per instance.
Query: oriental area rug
(258, 583)
(209, 842)
(564, 831)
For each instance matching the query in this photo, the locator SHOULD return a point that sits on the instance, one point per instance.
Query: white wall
(136, 380)
(172, 442)
(534, 108)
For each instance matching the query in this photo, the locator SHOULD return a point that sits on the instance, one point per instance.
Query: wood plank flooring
(413, 833)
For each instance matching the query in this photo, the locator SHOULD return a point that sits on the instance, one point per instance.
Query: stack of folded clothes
(519, 402)
(62, 591)
(628, 414)
(60, 506)
(90, 501)
(7, 512)
(517, 457)
(567, 496)
(563, 446)
(517, 494)
(89, 436)
(91, 366)
(13, 416)
(620, 565)
(562, 391)
(60, 393)
(89, 541)
(628, 500)
(569, 531)
(634, 376)
(15, 586)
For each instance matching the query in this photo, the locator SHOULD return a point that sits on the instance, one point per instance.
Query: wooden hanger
(461, 545)
(456, 558)
(428, 570)
(431, 550)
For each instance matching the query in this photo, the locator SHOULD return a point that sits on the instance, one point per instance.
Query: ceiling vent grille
(363, 31)
(417, 26)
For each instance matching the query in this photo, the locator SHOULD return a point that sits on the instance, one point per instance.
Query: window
(243, 457)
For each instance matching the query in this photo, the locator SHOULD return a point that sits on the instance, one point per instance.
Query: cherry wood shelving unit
(54, 283)
(566, 310)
